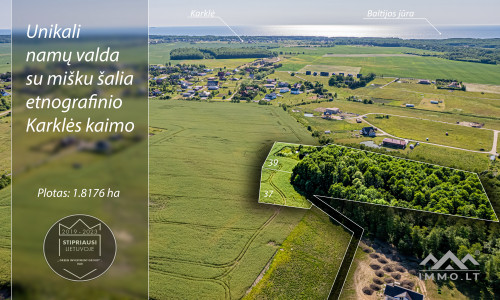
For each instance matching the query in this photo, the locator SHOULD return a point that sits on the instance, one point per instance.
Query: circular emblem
(79, 247)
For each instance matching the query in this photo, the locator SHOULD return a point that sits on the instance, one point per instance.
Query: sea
(403, 31)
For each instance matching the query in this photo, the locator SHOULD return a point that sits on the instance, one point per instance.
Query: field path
(282, 195)
(495, 142)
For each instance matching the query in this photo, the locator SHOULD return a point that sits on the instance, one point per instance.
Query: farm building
(324, 74)
(434, 102)
(213, 88)
(284, 90)
(269, 86)
(395, 292)
(393, 143)
(424, 81)
(368, 131)
(332, 110)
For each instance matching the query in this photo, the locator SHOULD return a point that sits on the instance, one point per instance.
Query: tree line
(220, 53)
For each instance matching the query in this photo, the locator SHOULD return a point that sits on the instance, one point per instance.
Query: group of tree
(220, 53)
(340, 81)
(346, 173)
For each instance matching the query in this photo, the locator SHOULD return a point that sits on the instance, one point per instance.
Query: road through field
(382, 132)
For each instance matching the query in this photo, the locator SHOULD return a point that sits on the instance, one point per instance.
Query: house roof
(397, 291)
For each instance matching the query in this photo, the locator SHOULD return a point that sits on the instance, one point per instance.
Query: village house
(393, 143)
(270, 96)
(204, 94)
(368, 131)
(424, 81)
(332, 110)
(395, 292)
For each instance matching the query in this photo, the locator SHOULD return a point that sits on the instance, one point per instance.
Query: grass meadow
(5, 57)
(307, 262)
(416, 129)
(206, 227)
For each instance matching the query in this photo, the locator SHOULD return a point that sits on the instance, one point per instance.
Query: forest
(352, 174)
(220, 53)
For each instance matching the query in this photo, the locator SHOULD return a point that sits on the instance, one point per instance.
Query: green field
(410, 67)
(5, 58)
(5, 237)
(307, 262)
(206, 227)
(416, 129)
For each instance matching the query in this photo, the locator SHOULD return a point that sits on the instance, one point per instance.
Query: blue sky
(315, 12)
(271, 12)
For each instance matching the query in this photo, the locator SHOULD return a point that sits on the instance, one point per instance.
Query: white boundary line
(395, 157)
(356, 249)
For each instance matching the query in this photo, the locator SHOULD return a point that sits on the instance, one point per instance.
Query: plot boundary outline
(394, 157)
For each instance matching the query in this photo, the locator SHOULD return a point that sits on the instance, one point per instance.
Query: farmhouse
(393, 143)
(271, 96)
(332, 110)
(368, 131)
(395, 292)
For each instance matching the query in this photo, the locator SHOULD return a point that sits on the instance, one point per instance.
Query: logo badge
(449, 267)
(79, 247)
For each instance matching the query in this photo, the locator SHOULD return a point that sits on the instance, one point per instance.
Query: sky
(5, 19)
(319, 12)
(272, 12)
